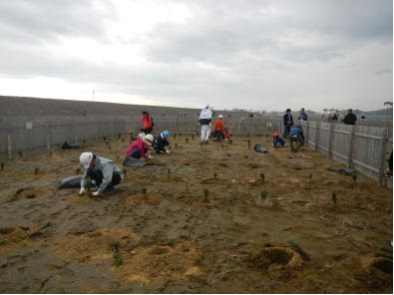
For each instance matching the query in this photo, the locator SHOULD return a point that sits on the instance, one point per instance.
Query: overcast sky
(249, 54)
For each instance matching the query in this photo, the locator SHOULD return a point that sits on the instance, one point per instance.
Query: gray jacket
(107, 167)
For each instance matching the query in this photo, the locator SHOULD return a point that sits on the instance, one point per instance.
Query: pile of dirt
(216, 218)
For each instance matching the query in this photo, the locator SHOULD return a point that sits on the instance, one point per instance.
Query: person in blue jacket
(297, 138)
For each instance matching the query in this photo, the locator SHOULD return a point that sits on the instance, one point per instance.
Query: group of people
(221, 132)
(105, 174)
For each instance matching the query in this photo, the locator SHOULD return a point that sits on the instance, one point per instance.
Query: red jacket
(146, 121)
(138, 143)
(219, 125)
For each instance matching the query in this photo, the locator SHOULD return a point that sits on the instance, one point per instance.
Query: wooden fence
(363, 148)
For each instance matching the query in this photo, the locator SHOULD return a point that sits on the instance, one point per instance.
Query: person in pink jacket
(139, 148)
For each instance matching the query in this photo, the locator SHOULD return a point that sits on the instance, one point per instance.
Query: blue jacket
(296, 131)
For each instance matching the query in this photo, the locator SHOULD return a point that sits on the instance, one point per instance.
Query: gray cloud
(258, 53)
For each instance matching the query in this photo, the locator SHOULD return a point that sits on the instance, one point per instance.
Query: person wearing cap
(278, 141)
(350, 118)
(205, 119)
(140, 147)
(287, 122)
(219, 128)
(160, 143)
(100, 170)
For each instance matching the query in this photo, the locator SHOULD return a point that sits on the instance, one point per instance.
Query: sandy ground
(218, 218)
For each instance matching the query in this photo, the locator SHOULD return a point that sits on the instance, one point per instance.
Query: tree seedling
(2, 166)
(36, 170)
(334, 198)
(116, 256)
(249, 144)
(264, 195)
(310, 180)
(187, 140)
(3, 242)
(78, 171)
(206, 194)
(262, 176)
(215, 175)
(144, 191)
(171, 241)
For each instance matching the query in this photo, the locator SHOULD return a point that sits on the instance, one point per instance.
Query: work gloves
(84, 191)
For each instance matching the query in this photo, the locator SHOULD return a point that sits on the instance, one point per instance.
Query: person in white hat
(205, 119)
(103, 171)
(139, 148)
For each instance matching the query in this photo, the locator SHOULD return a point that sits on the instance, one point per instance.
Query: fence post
(382, 162)
(330, 140)
(351, 142)
(317, 135)
(9, 145)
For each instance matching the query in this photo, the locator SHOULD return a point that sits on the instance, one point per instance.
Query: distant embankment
(31, 106)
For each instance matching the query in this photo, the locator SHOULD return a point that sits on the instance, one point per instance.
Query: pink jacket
(138, 143)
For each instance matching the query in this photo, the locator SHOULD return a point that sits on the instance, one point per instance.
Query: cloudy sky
(250, 54)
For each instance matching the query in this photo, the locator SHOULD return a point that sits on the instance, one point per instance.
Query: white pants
(205, 131)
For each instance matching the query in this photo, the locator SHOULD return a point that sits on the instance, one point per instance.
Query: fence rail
(363, 148)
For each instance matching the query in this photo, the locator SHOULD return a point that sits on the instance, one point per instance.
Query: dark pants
(97, 176)
(136, 154)
(296, 142)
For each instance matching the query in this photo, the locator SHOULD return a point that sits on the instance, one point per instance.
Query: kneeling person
(297, 138)
(160, 143)
(103, 171)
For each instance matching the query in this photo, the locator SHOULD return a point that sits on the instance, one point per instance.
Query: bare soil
(216, 218)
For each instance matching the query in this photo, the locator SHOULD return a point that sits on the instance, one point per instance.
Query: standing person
(287, 122)
(140, 147)
(303, 116)
(103, 171)
(205, 119)
(350, 118)
(219, 129)
(161, 142)
(147, 122)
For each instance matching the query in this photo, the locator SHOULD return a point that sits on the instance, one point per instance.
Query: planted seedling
(171, 241)
(262, 176)
(2, 166)
(116, 256)
(3, 242)
(144, 191)
(310, 180)
(334, 198)
(215, 175)
(264, 195)
(206, 194)
(249, 144)
(187, 140)
(36, 170)
(77, 171)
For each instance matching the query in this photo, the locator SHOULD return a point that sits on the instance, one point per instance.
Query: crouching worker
(140, 147)
(278, 141)
(297, 138)
(161, 144)
(100, 170)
